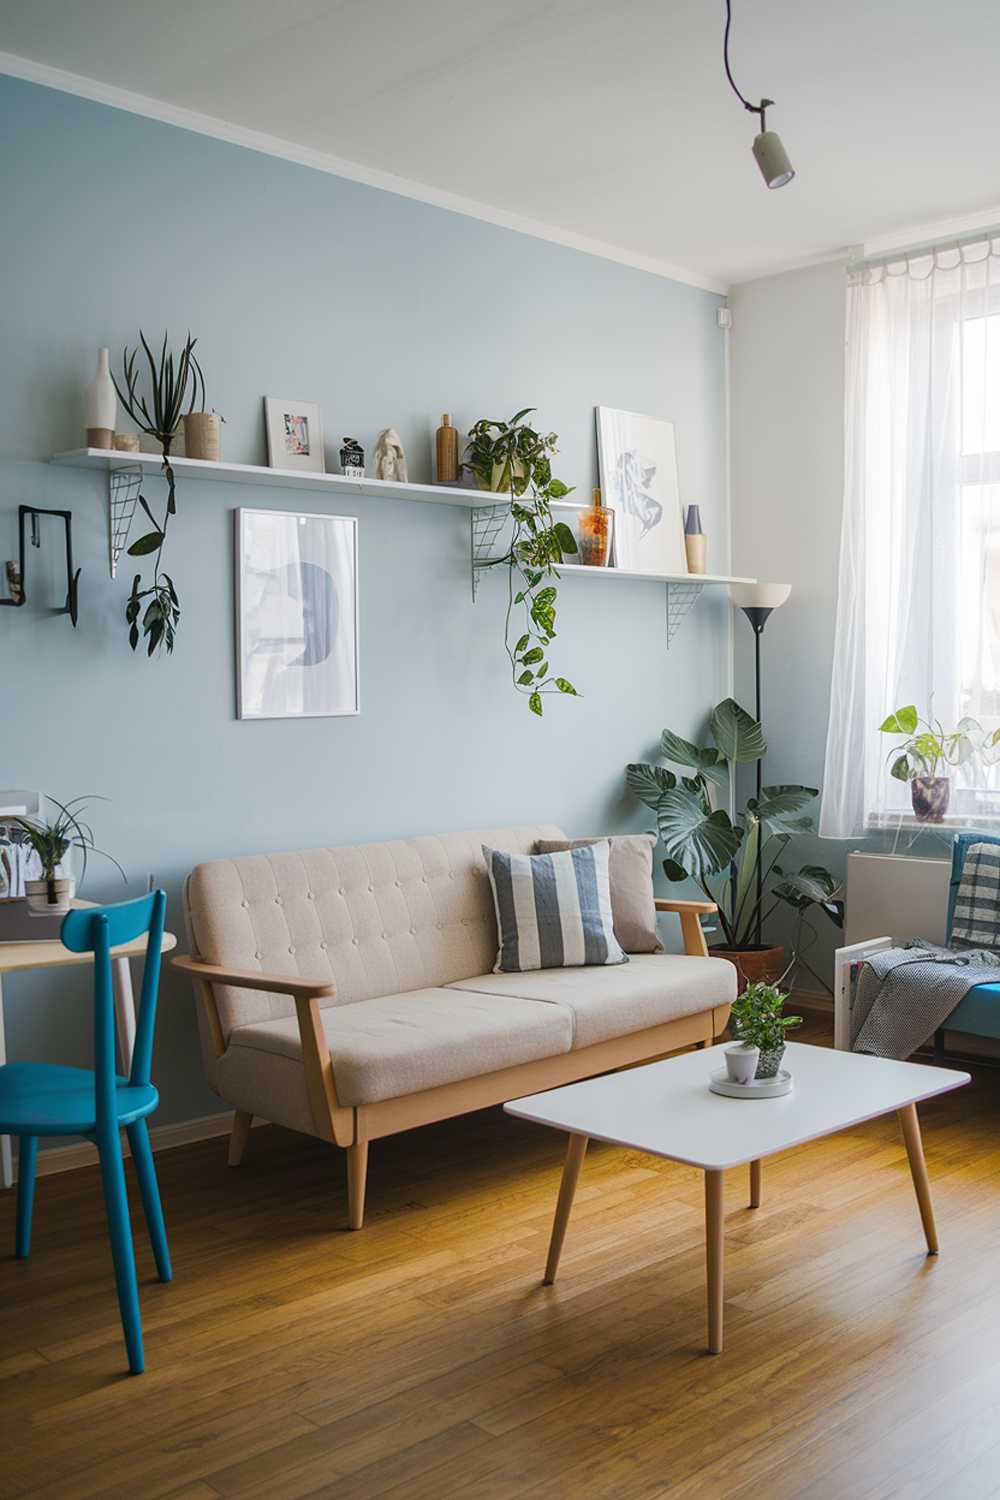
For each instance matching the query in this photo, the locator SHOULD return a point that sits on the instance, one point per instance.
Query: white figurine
(390, 460)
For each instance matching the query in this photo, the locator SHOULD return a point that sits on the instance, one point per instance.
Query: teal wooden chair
(978, 1013)
(42, 1099)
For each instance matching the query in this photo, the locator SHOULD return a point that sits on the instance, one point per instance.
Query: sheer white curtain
(918, 611)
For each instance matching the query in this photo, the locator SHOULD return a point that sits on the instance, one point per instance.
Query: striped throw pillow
(553, 910)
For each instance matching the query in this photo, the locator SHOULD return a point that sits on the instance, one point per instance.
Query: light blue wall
(386, 311)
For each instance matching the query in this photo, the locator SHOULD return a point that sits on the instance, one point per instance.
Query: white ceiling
(604, 119)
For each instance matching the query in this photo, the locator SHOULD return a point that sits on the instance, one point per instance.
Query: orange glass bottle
(595, 533)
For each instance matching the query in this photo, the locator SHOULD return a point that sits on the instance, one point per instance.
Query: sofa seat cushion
(608, 1002)
(402, 1044)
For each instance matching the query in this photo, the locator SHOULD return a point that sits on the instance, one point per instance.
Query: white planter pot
(100, 405)
(49, 898)
(741, 1062)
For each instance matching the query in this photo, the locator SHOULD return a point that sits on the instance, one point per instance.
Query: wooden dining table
(49, 953)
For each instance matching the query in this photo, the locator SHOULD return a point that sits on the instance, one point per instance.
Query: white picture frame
(294, 435)
(296, 615)
(638, 466)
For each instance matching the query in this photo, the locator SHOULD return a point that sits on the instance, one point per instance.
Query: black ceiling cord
(755, 109)
(771, 157)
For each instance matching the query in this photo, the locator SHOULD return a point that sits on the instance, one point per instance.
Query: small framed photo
(294, 435)
(638, 462)
(296, 615)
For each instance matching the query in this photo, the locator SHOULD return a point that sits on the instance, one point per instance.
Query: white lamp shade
(759, 595)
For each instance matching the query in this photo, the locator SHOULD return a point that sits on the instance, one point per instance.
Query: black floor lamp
(758, 601)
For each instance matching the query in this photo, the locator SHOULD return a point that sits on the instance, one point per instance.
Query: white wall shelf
(125, 472)
(683, 590)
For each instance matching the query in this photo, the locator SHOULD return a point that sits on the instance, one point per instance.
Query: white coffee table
(666, 1108)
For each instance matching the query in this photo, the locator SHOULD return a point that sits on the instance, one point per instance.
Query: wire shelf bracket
(681, 599)
(488, 523)
(124, 484)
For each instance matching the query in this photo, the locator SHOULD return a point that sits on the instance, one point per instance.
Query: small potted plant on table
(50, 896)
(758, 1022)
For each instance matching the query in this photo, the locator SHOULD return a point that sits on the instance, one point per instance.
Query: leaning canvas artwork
(297, 607)
(638, 460)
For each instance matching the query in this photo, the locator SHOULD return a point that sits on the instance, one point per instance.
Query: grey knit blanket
(904, 994)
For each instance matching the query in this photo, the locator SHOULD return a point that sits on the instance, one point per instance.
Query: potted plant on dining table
(50, 894)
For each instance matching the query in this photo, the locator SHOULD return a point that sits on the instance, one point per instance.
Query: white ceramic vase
(100, 404)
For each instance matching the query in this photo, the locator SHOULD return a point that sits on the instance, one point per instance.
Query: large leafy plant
(718, 852)
(173, 393)
(514, 459)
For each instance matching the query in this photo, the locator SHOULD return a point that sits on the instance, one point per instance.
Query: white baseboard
(162, 1137)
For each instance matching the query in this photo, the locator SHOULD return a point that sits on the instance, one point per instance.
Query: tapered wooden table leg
(756, 1182)
(714, 1255)
(918, 1171)
(576, 1150)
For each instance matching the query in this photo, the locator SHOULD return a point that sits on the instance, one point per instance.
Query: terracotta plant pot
(49, 898)
(929, 796)
(754, 964)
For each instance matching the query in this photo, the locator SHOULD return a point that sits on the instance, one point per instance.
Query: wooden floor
(422, 1358)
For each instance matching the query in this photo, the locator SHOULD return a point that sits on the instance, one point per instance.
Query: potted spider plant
(176, 392)
(514, 459)
(50, 894)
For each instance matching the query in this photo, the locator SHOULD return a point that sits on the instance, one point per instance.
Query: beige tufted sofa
(348, 993)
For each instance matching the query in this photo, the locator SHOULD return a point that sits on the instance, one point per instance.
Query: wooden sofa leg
(357, 1176)
(242, 1120)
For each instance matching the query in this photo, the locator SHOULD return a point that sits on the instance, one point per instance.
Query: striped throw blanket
(976, 921)
(904, 994)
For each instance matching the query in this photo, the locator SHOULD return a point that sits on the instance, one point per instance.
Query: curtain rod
(925, 247)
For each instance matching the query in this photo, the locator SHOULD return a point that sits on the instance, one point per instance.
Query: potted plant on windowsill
(927, 753)
(758, 1022)
(51, 894)
(734, 859)
(513, 459)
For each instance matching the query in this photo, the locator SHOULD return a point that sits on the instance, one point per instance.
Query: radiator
(892, 895)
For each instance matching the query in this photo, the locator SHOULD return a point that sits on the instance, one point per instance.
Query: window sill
(951, 823)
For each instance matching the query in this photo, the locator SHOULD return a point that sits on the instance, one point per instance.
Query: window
(919, 596)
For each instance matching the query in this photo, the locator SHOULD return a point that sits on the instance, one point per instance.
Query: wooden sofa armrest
(700, 908)
(690, 912)
(254, 979)
(333, 1122)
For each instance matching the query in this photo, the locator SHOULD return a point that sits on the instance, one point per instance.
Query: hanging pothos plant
(511, 458)
(173, 392)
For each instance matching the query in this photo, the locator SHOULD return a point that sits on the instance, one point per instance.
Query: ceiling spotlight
(770, 154)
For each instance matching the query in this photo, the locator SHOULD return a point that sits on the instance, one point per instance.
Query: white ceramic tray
(760, 1088)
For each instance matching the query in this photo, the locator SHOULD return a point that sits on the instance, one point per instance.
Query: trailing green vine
(512, 458)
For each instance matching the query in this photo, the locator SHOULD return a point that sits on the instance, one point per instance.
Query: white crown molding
(936, 233)
(321, 161)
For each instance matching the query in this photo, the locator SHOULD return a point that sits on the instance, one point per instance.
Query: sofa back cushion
(377, 919)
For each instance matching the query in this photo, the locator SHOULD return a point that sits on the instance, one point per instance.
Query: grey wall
(787, 424)
(385, 311)
(787, 405)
